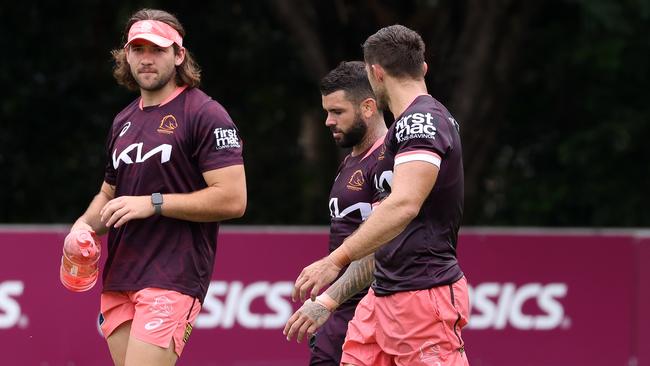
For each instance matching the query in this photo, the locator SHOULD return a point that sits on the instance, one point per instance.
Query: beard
(355, 134)
(152, 85)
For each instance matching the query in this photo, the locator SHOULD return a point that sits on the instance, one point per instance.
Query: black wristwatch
(156, 202)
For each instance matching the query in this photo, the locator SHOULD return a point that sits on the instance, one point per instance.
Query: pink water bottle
(80, 260)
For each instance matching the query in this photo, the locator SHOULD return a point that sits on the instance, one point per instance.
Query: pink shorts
(409, 328)
(158, 315)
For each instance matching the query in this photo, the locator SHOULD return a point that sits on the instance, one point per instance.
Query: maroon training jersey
(165, 149)
(424, 254)
(351, 199)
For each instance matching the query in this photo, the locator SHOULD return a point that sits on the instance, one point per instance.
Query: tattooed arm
(358, 276)
(313, 314)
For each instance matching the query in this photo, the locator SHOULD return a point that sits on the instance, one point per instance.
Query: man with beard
(175, 170)
(355, 122)
(415, 310)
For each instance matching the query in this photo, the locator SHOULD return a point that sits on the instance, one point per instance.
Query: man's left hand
(306, 320)
(121, 210)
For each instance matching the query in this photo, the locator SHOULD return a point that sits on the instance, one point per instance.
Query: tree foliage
(550, 97)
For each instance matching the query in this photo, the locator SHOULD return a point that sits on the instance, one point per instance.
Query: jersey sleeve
(422, 136)
(110, 173)
(217, 140)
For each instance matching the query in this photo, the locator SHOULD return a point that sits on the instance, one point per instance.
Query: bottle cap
(85, 240)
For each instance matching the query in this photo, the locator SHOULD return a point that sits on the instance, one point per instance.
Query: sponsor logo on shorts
(416, 126)
(430, 354)
(187, 333)
(162, 305)
(157, 322)
(226, 138)
(168, 124)
(356, 181)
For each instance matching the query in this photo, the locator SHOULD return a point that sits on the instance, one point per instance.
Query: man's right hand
(306, 320)
(314, 277)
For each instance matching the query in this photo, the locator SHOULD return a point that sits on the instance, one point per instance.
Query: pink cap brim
(154, 31)
(153, 38)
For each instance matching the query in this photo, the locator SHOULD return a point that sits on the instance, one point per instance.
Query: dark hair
(350, 77)
(398, 49)
(187, 73)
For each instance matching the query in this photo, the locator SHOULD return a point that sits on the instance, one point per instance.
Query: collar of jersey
(374, 146)
(171, 97)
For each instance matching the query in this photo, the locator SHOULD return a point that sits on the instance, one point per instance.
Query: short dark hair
(351, 77)
(187, 73)
(398, 49)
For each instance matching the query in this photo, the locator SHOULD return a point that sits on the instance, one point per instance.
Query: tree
(550, 97)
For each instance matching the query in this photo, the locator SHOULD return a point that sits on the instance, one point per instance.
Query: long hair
(187, 73)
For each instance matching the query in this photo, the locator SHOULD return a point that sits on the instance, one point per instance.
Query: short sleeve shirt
(424, 254)
(165, 149)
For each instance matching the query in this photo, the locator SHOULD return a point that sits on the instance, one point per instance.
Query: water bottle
(80, 260)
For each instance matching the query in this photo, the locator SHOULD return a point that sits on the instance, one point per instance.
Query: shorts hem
(346, 358)
(139, 337)
(113, 328)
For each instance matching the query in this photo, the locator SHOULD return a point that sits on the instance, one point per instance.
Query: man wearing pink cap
(175, 171)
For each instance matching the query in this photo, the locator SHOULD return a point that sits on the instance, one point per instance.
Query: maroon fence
(539, 297)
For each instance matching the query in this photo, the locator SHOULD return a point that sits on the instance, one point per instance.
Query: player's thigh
(421, 327)
(360, 347)
(118, 342)
(141, 353)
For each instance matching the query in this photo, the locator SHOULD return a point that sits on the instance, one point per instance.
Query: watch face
(156, 199)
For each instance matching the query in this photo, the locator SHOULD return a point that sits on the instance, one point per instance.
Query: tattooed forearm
(358, 276)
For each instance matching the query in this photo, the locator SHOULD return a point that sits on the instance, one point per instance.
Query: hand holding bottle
(80, 260)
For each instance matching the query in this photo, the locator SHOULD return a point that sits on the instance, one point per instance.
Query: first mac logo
(416, 126)
(226, 138)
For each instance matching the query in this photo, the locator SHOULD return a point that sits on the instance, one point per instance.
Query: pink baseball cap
(157, 32)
